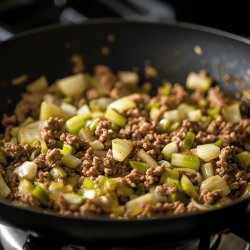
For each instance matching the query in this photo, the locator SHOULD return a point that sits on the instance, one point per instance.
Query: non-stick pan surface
(169, 48)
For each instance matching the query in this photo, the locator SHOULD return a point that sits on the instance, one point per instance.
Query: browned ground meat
(111, 184)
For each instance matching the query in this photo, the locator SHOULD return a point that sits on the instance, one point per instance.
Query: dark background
(19, 15)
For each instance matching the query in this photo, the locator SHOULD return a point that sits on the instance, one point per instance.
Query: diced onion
(232, 113)
(185, 161)
(27, 170)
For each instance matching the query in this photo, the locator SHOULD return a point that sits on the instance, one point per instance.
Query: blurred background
(19, 15)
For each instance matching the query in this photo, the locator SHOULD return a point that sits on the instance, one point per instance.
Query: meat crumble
(100, 144)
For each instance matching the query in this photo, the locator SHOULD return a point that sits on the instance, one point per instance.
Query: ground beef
(210, 198)
(133, 179)
(53, 157)
(153, 175)
(52, 130)
(217, 98)
(73, 140)
(16, 152)
(166, 189)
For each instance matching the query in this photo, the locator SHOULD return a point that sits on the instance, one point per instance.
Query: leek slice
(27, 170)
(73, 199)
(71, 161)
(243, 160)
(232, 113)
(25, 187)
(188, 187)
(128, 77)
(115, 117)
(146, 158)
(38, 85)
(4, 189)
(185, 161)
(41, 194)
(122, 104)
(73, 85)
(207, 170)
(208, 152)
(75, 123)
(121, 148)
(169, 149)
(199, 81)
(140, 166)
(188, 140)
(215, 183)
(58, 172)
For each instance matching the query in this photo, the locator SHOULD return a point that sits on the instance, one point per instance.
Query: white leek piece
(122, 104)
(121, 148)
(208, 152)
(27, 170)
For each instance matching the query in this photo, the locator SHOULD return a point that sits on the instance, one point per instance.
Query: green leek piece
(25, 187)
(172, 115)
(97, 114)
(67, 99)
(151, 105)
(30, 133)
(27, 170)
(185, 161)
(172, 182)
(86, 134)
(28, 121)
(75, 123)
(92, 124)
(207, 170)
(96, 145)
(111, 184)
(174, 126)
(165, 90)
(179, 196)
(164, 125)
(122, 104)
(38, 85)
(73, 85)
(232, 113)
(69, 109)
(3, 160)
(154, 114)
(58, 172)
(145, 157)
(124, 190)
(50, 110)
(195, 115)
(100, 104)
(188, 140)
(184, 109)
(202, 103)
(44, 147)
(41, 194)
(246, 193)
(100, 181)
(213, 112)
(208, 152)
(88, 183)
(187, 170)
(71, 161)
(84, 111)
(4, 189)
(73, 199)
(219, 143)
(169, 149)
(140, 166)
(128, 77)
(165, 164)
(121, 148)
(188, 187)
(215, 183)
(200, 81)
(135, 206)
(52, 99)
(67, 149)
(170, 173)
(243, 160)
(34, 154)
(115, 117)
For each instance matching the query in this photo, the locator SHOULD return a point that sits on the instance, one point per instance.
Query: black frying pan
(170, 48)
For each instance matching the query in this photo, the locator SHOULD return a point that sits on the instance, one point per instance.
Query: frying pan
(169, 48)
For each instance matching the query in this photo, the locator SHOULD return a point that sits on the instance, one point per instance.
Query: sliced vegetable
(41, 194)
(140, 166)
(38, 85)
(232, 113)
(88, 183)
(96, 145)
(215, 183)
(73, 199)
(184, 109)
(164, 125)
(86, 134)
(4, 189)
(100, 104)
(188, 140)
(207, 170)
(165, 90)
(30, 133)
(50, 110)
(58, 172)
(169, 149)
(243, 160)
(145, 157)
(71, 161)
(172, 115)
(122, 104)
(121, 148)
(73, 85)
(84, 111)
(25, 187)
(185, 161)
(213, 112)
(67, 149)
(188, 187)
(154, 114)
(200, 81)
(115, 117)
(69, 109)
(44, 147)
(75, 123)
(128, 77)
(135, 206)
(195, 115)
(27, 170)
(219, 143)
(208, 152)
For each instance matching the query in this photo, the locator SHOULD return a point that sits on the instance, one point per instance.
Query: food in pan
(100, 144)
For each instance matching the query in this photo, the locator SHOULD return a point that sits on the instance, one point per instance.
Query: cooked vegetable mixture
(100, 144)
